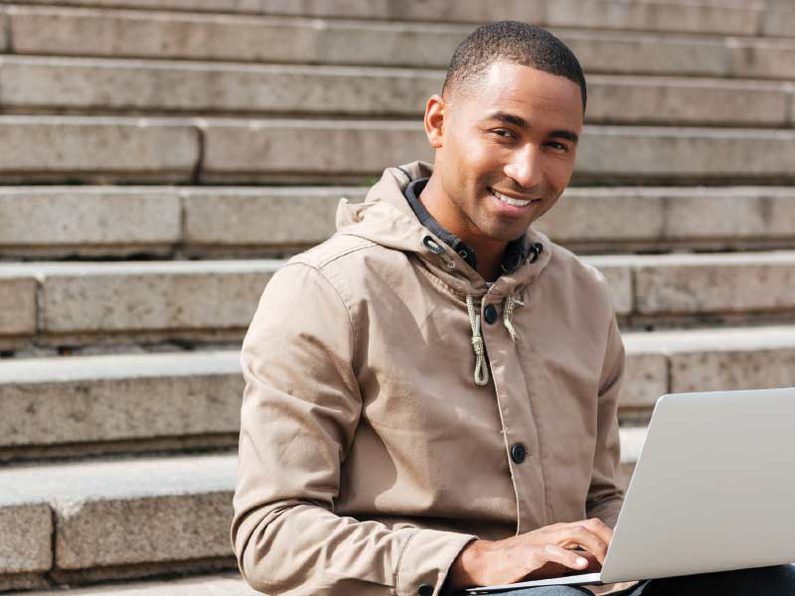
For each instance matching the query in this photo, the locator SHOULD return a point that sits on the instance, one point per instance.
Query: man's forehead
(511, 88)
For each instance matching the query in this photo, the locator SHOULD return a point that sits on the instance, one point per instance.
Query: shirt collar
(515, 252)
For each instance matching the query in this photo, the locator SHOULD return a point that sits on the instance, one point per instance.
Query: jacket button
(518, 453)
(425, 590)
(490, 314)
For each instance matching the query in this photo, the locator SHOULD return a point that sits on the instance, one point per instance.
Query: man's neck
(489, 252)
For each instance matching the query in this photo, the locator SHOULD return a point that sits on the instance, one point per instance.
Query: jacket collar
(386, 218)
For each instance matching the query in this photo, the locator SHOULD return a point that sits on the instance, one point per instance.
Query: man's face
(505, 149)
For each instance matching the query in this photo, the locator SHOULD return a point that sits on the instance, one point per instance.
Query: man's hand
(542, 553)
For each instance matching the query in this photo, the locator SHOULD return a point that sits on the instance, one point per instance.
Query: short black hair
(513, 41)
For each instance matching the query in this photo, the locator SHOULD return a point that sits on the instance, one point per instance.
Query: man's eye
(504, 133)
(558, 146)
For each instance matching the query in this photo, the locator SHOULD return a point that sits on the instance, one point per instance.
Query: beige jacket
(369, 454)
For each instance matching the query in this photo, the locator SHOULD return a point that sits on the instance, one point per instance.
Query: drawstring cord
(481, 374)
(511, 302)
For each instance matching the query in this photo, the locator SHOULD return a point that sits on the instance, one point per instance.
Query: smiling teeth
(510, 201)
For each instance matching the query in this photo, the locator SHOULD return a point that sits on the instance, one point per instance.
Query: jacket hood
(386, 218)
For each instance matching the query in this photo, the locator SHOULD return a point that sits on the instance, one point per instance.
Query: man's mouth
(511, 200)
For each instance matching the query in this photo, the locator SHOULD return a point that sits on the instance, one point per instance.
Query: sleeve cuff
(426, 560)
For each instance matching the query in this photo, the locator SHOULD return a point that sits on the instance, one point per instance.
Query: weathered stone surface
(73, 31)
(763, 58)
(714, 283)
(687, 153)
(18, 297)
(226, 584)
(61, 147)
(733, 369)
(70, 217)
(779, 21)
(245, 6)
(275, 216)
(87, 32)
(49, 401)
(134, 511)
(297, 149)
(26, 530)
(262, 148)
(152, 296)
(4, 28)
(653, 16)
(411, 10)
(656, 100)
(644, 53)
(602, 14)
(93, 148)
(155, 528)
(95, 32)
(113, 84)
(162, 296)
(145, 397)
(722, 359)
(721, 217)
(84, 220)
(84, 83)
(646, 377)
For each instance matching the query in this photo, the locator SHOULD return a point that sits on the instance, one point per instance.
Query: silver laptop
(713, 490)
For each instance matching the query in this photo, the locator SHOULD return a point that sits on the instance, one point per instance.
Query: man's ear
(434, 120)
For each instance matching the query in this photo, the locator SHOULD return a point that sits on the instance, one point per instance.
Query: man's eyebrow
(520, 122)
(509, 118)
(565, 134)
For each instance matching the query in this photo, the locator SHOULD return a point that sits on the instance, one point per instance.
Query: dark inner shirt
(515, 252)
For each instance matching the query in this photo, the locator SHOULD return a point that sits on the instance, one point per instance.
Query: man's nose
(525, 167)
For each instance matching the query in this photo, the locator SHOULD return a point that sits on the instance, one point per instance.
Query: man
(431, 394)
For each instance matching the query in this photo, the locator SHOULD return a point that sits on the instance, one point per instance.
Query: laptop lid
(713, 489)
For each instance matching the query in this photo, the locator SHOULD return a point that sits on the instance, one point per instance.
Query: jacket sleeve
(301, 407)
(606, 493)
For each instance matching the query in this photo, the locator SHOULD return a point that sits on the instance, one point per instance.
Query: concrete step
(101, 149)
(120, 403)
(294, 150)
(217, 584)
(79, 304)
(76, 148)
(87, 522)
(116, 519)
(144, 34)
(33, 83)
(244, 221)
(717, 359)
(735, 17)
(68, 221)
(90, 303)
(127, 403)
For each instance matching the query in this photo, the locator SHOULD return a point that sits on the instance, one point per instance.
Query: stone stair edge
(735, 56)
(132, 511)
(74, 218)
(105, 399)
(121, 87)
(742, 18)
(243, 151)
(44, 269)
(435, 73)
(220, 584)
(21, 7)
(175, 296)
